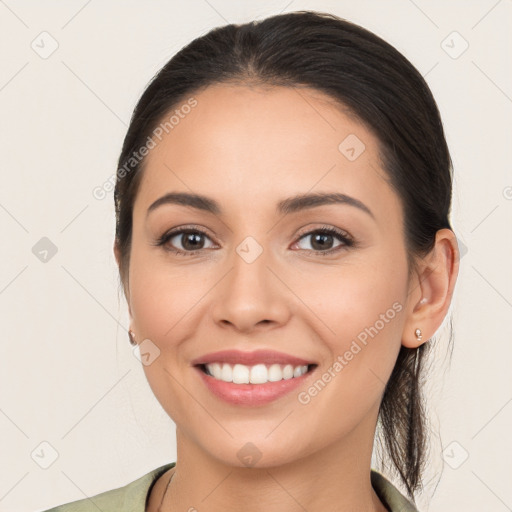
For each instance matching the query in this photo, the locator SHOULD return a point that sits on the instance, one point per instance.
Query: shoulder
(132, 497)
(129, 498)
(390, 495)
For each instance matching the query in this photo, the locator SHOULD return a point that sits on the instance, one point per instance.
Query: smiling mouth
(254, 374)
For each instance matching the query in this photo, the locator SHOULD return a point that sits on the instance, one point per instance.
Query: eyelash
(327, 230)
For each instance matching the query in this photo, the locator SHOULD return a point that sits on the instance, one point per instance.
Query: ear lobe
(432, 290)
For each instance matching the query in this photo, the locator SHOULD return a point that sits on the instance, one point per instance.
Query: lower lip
(252, 394)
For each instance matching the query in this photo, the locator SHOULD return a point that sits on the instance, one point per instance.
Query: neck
(336, 478)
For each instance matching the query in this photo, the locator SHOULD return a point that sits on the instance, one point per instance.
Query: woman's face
(263, 277)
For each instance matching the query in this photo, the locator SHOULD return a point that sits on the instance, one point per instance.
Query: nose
(250, 297)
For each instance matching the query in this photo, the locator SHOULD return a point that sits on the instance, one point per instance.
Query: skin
(248, 148)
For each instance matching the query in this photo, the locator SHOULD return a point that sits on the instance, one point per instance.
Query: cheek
(162, 296)
(362, 308)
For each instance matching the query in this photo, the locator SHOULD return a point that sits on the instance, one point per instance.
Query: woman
(284, 246)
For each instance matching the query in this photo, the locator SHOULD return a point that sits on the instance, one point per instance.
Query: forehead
(241, 144)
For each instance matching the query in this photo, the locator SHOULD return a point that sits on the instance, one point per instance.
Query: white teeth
(226, 373)
(275, 373)
(240, 374)
(258, 374)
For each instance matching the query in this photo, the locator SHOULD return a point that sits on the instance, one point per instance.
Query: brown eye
(190, 240)
(184, 241)
(324, 240)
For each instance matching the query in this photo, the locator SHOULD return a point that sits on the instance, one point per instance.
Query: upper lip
(250, 358)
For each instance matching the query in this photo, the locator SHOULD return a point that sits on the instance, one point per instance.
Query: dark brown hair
(385, 92)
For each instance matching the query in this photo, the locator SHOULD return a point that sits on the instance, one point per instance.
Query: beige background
(67, 373)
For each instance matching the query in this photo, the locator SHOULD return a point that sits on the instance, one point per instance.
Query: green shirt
(132, 497)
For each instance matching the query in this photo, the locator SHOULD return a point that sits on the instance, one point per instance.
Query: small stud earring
(417, 332)
(131, 335)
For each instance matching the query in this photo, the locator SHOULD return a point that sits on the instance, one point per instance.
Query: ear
(431, 289)
(117, 253)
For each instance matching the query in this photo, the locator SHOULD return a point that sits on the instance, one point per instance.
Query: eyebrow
(284, 207)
